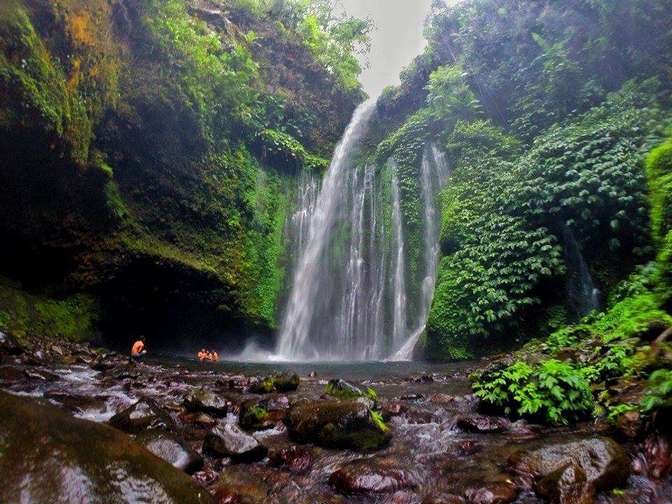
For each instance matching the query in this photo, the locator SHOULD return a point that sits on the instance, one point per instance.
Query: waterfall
(312, 286)
(582, 293)
(434, 175)
(348, 297)
(399, 289)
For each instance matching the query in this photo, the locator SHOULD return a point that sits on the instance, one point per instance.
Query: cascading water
(583, 295)
(434, 176)
(349, 293)
(312, 285)
(399, 330)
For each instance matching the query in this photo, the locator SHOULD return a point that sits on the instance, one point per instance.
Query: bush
(552, 391)
(659, 392)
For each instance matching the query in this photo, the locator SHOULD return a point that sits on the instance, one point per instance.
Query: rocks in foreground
(377, 475)
(143, 415)
(337, 424)
(229, 440)
(48, 456)
(573, 472)
(282, 382)
(171, 449)
(205, 401)
(483, 424)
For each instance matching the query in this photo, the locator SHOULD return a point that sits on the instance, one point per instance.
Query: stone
(378, 475)
(254, 416)
(342, 389)
(283, 382)
(173, 450)
(50, 457)
(205, 401)
(567, 485)
(482, 424)
(493, 493)
(598, 464)
(143, 415)
(336, 424)
(630, 424)
(297, 459)
(229, 440)
(443, 499)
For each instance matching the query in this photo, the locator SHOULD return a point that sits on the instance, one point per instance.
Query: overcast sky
(397, 38)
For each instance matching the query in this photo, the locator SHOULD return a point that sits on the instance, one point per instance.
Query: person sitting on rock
(138, 349)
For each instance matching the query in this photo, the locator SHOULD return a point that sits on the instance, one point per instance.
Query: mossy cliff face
(148, 157)
(546, 131)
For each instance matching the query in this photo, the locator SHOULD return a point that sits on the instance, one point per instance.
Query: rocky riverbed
(79, 424)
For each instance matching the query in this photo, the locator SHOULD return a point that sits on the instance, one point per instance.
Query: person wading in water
(138, 349)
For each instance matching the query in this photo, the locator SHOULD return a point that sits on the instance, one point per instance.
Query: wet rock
(337, 424)
(205, 401)
(654, 459)
(48, 456)
(602, 461)
(482, 424)
(254, 416)
(9, 345)
(297, 459)
(468, 447)
(237, 485)
(283, 382)
(377, 475)
(393, 408)
(74, 402)
(171, 449)
(40, 375)
(443, 499)
(413, 397)
(198, 419)
(11, 374)
(342, 389)
(493, 493)
(143, 415)
(567, 485)
(630, 424)
(229, 440)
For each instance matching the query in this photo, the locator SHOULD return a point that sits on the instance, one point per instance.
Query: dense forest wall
(148, 158)
(545, 112)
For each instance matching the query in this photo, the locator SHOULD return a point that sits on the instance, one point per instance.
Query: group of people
(207, 355)
(138, 351)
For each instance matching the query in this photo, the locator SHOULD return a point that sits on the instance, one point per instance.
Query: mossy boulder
(48, 456)
(254, 416)
(337, 424)
(282, 382)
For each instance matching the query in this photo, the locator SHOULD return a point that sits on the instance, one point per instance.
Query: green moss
(659, 171)
(32, 316)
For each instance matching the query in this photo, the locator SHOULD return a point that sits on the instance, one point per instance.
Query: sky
(396, 40)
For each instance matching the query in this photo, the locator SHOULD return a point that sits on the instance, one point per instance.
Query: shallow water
(374, 370)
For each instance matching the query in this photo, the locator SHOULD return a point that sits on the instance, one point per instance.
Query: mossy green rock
(337, 424)
(47, 456)
(283, 382)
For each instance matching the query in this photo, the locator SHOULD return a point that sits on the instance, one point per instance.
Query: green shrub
(659, 391)
(551, 391)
